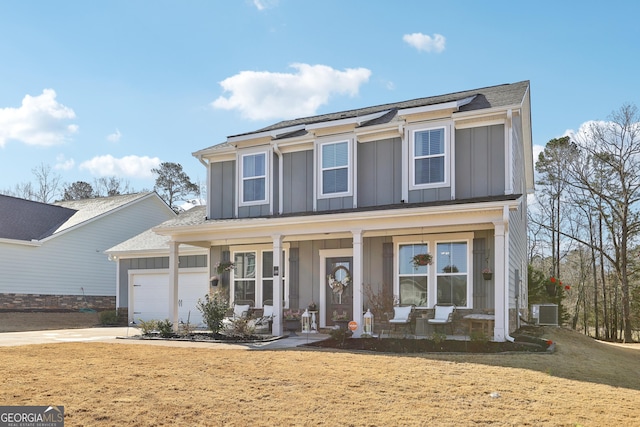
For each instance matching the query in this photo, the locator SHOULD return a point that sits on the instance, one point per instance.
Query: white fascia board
(348, 121)
(150, 253)
(21, 242)
(486, 112)
(453, 105)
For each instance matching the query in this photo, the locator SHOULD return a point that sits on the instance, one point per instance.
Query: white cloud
(40, 120)
(114, 137)
(265, 4)
(63, 163)
(262, 95)
(128, 166)
(426, 43)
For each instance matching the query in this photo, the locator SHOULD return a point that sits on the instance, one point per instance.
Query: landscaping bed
(526, 340)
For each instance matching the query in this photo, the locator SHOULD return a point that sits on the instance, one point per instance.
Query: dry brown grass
(583, 383)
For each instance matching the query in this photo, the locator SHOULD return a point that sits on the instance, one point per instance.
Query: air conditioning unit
(545, 314)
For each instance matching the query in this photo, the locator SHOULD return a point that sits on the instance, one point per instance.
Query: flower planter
(487, 276)
(292, 325)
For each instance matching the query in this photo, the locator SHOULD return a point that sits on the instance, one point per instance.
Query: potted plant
(224, 266)
(421, 259)
(313, 307)
(487, 274)
(221, 267)
(291, 321)
(340, 319)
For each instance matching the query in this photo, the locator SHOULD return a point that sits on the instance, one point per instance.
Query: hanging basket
(487, 276)
(421, 260)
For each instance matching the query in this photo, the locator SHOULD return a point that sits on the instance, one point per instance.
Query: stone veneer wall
(37, 302)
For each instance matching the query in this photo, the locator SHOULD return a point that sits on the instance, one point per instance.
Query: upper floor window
(429, 157)
(253, 177)
(335, 168)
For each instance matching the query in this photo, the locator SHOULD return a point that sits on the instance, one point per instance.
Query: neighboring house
(143, 274)
(349, 198)
(52, 255)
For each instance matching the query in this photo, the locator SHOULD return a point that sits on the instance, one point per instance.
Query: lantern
(368, 323)
(306, 321)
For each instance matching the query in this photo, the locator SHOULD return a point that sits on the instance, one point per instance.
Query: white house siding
(73, 262)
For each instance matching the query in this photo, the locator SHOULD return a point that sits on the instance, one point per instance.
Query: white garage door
(151, 296)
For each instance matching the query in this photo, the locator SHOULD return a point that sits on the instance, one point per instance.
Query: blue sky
(115, 87)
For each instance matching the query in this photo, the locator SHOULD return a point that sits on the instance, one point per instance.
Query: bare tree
(48, 183)
(111, 186)
(609, 169)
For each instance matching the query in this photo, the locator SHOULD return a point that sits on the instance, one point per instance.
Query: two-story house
(349, 198)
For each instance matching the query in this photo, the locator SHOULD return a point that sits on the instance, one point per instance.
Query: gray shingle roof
(92, 208)
(488, 97)
(150, 241)
(27, 220)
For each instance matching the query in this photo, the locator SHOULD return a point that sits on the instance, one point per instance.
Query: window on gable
(254, 178)
(429, 156)
(334, 168)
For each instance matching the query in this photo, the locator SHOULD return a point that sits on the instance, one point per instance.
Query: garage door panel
(151, 296)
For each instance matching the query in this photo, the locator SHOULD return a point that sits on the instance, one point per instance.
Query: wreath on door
(338, 286)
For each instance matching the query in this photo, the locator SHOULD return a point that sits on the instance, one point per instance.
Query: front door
(339, 289)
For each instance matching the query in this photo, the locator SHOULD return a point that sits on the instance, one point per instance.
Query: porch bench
(481, 323)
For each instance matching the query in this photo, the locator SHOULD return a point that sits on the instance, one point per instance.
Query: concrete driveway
(115, 335)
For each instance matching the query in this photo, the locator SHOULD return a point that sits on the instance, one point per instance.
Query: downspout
(505, 219)
(280, 177)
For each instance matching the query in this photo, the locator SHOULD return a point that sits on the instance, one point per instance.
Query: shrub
(109, 318)
(147, 327)
(166, 328)
(213, 309)
(240, 327)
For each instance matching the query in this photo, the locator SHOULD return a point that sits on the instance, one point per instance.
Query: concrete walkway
(119, 335)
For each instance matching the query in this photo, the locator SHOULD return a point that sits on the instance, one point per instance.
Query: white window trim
(412, 130)
(469, 273)
(431, 240)
(258, 250)
(267, 174)
(350, 166)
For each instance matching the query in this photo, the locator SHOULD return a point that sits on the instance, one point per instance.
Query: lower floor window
(445, 281)
(253, 277)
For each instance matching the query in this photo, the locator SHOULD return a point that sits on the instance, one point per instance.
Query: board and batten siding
(479, 162)
(380, 172)
(222, 190)
(74, 261)
(297, 188)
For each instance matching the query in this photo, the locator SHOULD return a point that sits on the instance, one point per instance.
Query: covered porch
(323, 253)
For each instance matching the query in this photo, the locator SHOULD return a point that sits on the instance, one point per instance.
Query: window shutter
(387, 266)
(294, 275)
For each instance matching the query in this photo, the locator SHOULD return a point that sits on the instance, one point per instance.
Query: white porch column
(501, 284)
(173, 283)
(277, 325)
(356, 282)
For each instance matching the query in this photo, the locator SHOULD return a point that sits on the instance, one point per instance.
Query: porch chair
(265, 321)
(401, 317)
(241, 310)
(443, 315)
